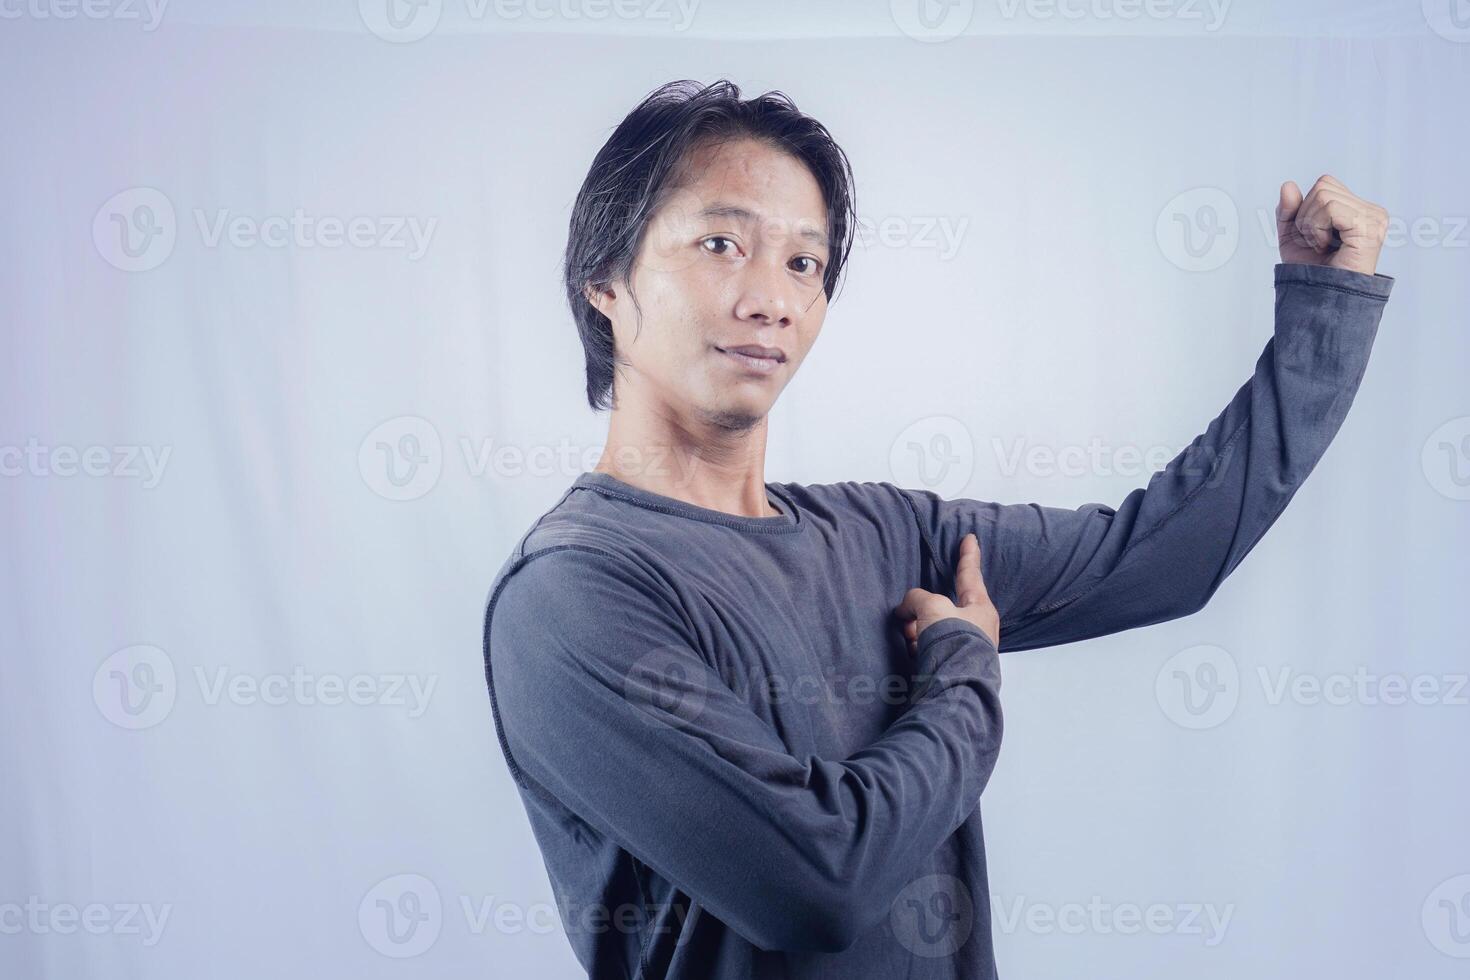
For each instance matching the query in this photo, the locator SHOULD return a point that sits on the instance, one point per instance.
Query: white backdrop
(262, 461)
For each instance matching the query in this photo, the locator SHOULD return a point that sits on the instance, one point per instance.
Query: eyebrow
(719, 210)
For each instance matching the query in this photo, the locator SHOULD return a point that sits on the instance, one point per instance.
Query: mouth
(754, 358)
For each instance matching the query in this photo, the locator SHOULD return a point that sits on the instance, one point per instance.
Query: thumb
(969, 583)
(1286, 208)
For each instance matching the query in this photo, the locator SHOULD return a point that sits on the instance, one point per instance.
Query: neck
(716, 462)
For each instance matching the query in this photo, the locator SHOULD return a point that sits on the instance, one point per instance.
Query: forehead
(748, 179)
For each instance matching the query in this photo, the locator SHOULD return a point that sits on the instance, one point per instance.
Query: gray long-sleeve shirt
(730, 760)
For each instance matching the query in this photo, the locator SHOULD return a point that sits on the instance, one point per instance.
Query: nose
(762, 317)
(768, 298)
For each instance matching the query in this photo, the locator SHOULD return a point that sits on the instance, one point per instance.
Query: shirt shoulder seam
(520, 562)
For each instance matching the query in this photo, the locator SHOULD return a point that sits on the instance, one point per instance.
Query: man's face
(735, 258)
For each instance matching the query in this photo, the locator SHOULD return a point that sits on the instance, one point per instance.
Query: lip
(755, 358)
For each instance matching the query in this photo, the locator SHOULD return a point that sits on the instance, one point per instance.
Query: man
(751, 722)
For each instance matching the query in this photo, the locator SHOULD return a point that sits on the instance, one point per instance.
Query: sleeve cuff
(949, 626)
(1377, 285)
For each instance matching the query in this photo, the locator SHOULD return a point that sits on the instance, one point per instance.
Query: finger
(1301, 222)
(1286, 209)
(913, 599)
(1339, 218)
(1354, 220)
(1312, 221)
(969, 583)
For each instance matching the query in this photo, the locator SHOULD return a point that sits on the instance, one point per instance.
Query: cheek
(811, 327)
(659, 312)
(693, 302)
(677, 288)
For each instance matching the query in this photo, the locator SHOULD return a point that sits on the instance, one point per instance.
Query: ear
(601, 299)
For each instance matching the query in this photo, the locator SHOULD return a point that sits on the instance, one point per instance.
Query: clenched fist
(921, 609)
(1331, 226)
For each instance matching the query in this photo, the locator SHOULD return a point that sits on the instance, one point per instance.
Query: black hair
(645, 159)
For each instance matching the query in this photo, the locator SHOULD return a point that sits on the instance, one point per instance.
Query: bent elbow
(837, 928)
(1193, 600)
(817, 921)
(1177, 599)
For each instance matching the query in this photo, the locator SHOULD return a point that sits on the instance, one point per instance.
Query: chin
(736, 417)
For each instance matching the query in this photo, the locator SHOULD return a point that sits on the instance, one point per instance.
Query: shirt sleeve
(602, 699)
(1058, 575)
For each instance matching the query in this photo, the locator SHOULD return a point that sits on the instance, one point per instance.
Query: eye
(717, 238)
(815, 264)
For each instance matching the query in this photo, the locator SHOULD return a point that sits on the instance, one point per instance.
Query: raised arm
(602, 699)
(1061, 575)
